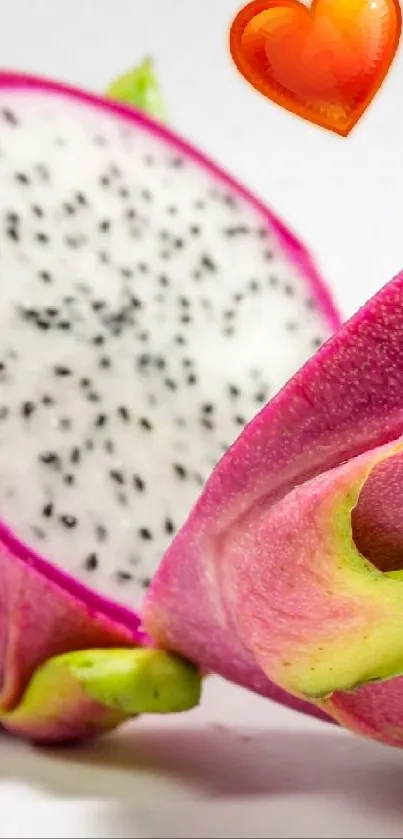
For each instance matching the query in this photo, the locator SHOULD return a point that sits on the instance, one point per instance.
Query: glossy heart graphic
(325, 62)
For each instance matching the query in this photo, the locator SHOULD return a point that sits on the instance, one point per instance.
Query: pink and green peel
(271, 582)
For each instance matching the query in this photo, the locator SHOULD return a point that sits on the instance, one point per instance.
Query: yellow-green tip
(84, 693)
(136, 681)
(139, 87)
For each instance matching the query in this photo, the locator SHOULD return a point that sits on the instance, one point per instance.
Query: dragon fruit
(289, 571)
(148, 306)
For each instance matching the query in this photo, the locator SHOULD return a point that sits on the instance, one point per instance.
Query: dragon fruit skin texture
(289, 567)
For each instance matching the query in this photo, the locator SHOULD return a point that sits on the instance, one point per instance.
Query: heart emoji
(325, 62)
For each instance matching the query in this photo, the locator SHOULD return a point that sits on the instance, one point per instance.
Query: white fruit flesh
(146, 313)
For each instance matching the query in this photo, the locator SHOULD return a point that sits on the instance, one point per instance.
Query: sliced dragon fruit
(148, 306)
(290, 567)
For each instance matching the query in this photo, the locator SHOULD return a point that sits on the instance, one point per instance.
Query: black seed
(98, 305)
(124, 192)
(27, 408)
(169, 526)
(178, 243)
(42, 323)
(145, 534)
(101, 420)
(187, 362)
(260, 397)
(81, 199)
(124, 413)
(145, 582)
(180, 339)
(170, 384)
(47, 510)
(48, 400)
(144, 360)
(145, 423)
(104, 180)
(103, 257)
(194, 229)
(185, 319)
(126, 272)
(288, 289)
(273, 281)
(268, 255)
(172, 210)
(69, 208)
(91, 562)
(65, 423)
(207, 407)
(50, 458)
(317, 342)
(41, 237)
(160, 362)
(229, 331)
(68, 520)
(45, 276)
(64, 324)
(85, 382)
(105, 362)
(124, 576)
(13, 233)
(206, 423)
(22, 178)
(37, 211)
(9, 116)
(4, 412)
(69, 479)
(230, 201)
(239, 420)
(146, 194)
(92, 396)
(98, 340)
(138, 483)
(61, 370)
(101, 532)
(109, 447)
(176, 162)
(234, 391)
(191, 379)
(117, 476)
(163, 280)
(135, 302)
(254, 285)
(75, 455)
(180, 471)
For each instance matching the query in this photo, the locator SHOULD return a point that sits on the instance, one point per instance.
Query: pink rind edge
(292, 246)
(92, 600)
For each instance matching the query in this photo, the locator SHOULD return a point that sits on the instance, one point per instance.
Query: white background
(207, 774)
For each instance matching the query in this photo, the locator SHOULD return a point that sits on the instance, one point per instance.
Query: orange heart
(324, 63)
